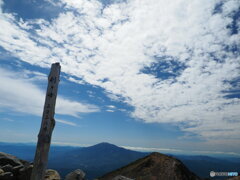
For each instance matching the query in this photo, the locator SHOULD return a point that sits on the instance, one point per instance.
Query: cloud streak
(21, 95)
(66, 122)
(179, 151)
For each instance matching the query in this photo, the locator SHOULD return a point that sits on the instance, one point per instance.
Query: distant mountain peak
(104, 144)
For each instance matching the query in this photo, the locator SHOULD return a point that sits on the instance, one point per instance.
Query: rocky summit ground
(155, 166)
(12, 168)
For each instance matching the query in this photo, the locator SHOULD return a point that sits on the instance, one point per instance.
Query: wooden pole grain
(47, 126)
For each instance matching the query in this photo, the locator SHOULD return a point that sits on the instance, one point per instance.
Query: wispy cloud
(66, 122)
(110, 110)
(33, 75)
(7, 119)
(152, 149)
(69, 144)
(179, 151)
(111, 106)
(111, 47)
(21, 95)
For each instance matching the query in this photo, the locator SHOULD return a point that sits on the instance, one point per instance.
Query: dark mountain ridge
(103, 153)
(94, 160)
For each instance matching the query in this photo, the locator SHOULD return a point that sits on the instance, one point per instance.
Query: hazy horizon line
(141, 149)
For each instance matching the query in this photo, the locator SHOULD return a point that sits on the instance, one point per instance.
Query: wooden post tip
(56, 63)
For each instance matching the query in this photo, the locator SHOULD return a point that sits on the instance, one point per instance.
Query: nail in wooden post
(47, 126)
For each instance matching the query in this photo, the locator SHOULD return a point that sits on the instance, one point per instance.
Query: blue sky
(146, 75)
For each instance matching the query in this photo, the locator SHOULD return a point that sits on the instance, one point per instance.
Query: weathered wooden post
(47, 126)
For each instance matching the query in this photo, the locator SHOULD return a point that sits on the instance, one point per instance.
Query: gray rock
(17, 168)
(78, 174)
(52, 175)
(25, 172)
(9, 159)
(7, 168)
(119, 177)
(12, 168)
(7, 176)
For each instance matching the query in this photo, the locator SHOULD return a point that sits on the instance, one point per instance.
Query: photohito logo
(233, 174)
(213, 174)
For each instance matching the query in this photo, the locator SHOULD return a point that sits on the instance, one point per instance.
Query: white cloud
(32, 76)
(69, 144)
(7, 119)
(75, 80)
(110, 110)
(109, 47)
(111, 106)
(21, 95)
(152, 149)
(180, 151)
(123, 110)
(66, 122)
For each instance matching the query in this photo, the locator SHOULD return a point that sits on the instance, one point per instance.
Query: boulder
(9, 159)
(12, 168)
(7, 176)
(7, 168)
(16, 169)
(78, 174)
(52, 175)
(25, 172)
